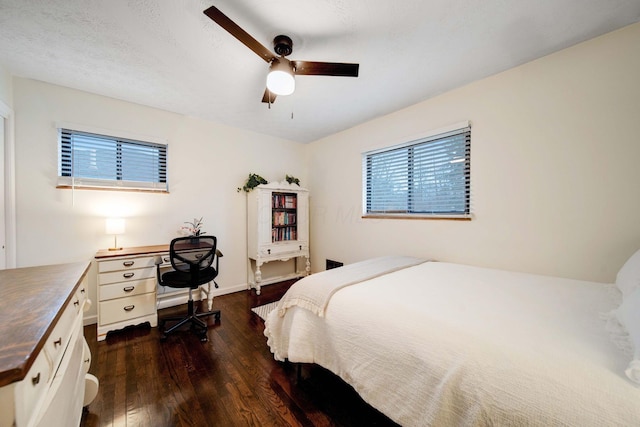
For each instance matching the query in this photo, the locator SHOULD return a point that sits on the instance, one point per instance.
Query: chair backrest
(192, 254)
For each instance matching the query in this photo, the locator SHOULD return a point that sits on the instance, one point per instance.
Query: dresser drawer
(127, 289)
(57, 341)
(32, 390)
(122, 309)
(126, 263)
(126, 276)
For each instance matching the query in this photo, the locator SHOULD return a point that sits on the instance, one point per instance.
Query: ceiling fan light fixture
(280, 79)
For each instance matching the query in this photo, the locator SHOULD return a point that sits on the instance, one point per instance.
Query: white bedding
(451, 345)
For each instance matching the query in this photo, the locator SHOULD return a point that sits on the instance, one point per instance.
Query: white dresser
(44, 359)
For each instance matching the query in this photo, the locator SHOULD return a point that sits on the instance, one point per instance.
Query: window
(93, 160)
(429, 177)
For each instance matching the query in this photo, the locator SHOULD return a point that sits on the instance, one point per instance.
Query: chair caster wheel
(204, 338)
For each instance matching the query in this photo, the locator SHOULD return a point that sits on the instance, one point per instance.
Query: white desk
(128, 291)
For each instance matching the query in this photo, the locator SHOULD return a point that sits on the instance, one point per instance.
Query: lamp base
(115, 249)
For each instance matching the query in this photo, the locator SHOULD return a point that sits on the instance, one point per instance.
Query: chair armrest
(158, 261)
(218, 253)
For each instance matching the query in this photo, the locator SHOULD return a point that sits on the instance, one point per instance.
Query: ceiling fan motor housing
(283, 45)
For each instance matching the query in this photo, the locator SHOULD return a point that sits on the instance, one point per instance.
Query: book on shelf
(284, 201)
(284, 234)
(283, 218)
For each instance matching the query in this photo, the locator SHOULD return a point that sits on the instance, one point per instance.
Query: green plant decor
(292, 180)
(252, 182)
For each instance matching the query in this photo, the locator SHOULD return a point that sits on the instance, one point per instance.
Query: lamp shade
(114, 226)
(280, 79)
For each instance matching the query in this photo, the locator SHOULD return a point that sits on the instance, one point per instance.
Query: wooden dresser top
(31, 302)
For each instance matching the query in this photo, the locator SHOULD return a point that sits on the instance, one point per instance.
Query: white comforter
(451, 345)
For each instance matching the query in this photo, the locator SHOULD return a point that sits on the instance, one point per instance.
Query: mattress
(447, 344)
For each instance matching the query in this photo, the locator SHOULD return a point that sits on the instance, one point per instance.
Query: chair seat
(181, 279)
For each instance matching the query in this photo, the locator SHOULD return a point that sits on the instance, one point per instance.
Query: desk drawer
(127, 289)
(122, 309)
(126, 264)
(126, 276)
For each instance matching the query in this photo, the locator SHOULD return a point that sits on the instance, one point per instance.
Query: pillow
(629, 316)
(628, 277)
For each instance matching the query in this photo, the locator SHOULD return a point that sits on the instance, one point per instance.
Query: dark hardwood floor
(231, 380)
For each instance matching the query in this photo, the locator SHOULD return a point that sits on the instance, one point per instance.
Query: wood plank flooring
(231, 380)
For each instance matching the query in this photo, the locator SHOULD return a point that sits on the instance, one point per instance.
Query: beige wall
(555, 175)
(206, 163)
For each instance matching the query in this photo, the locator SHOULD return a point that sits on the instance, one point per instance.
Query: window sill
(87, 187)
(467, 217)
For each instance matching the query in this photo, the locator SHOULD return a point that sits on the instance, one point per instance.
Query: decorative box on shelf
(277, 230)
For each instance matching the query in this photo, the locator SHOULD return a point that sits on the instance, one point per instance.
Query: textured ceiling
(169, 55)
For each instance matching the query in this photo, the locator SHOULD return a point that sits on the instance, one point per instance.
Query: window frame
(120, 140)
(421, 141)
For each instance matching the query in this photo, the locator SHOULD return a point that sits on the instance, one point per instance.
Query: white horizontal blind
(93, 160)
(429, 177)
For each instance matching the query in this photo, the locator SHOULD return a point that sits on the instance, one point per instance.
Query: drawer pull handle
(128, 288)
(167, 259)
(57, 342)
(82, 291)
(128, 275)
(35, 380)
(129, 307)
(87, 360)
(128, 263)
(269, 251)
(300, 247)
(198, 256)
(76, 302)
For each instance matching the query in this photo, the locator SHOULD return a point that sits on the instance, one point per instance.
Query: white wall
(206, 163)
(5, 87)
(555, 175)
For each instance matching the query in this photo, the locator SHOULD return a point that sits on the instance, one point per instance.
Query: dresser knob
(57, 342)
(76, 302)
(35, 380)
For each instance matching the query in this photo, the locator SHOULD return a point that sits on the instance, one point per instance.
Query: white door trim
(7, 114)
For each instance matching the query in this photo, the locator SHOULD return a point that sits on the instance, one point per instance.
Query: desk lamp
(114, 226)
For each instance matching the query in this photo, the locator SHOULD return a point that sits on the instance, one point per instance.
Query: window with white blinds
(93, 160)
(429, 177)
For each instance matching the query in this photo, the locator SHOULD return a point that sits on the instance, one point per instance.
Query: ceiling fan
(280, 80)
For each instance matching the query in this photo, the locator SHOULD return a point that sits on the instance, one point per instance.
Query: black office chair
(191, 259)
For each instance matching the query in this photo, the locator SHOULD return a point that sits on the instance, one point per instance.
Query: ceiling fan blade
(312, 68)
(237, 32)
(268, 97)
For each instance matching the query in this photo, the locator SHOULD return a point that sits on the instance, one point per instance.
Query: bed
(441, 344)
